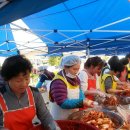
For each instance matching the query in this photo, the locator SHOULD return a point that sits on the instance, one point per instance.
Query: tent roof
(17, 9)
(94, 24)
(102, 26)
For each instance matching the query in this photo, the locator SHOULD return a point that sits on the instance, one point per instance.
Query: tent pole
(7, 42)
(112, 31)
(81, 34)
(62, 34)
(30, 31)
(118, 21)
(107, 25)
(110, 41)
(44, 36)
(88, 51)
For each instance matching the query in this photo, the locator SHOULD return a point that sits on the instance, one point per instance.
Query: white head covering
(70, 61)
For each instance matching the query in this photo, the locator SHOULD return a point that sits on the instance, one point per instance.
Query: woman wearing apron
(65, 94)
(19, 103)
(109, 82)
(88, 77)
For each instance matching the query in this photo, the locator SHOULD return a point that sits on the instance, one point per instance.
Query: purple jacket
(58, 89)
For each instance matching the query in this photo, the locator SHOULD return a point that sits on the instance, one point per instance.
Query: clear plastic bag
(124, 111)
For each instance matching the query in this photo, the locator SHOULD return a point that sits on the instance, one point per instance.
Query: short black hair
(94, 61)
(115, 64)
(14, 65)
(127, 56)
(124, 61)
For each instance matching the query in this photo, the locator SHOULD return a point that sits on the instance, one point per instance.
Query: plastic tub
(70, 125)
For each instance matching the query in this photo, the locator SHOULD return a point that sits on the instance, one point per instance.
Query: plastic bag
(124, 111)
(95, 92)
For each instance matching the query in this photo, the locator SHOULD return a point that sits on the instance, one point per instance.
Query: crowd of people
(70, 90)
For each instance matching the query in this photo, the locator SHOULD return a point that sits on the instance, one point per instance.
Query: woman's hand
(101, 94)
(95, 92)
(89, 103)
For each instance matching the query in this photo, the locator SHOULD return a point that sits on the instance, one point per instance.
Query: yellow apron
(65, 81)
(72, 93)
(128, 67)
(102, 81)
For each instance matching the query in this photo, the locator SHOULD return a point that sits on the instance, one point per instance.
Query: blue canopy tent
(11, 10)
(6, 45)
(97, 26)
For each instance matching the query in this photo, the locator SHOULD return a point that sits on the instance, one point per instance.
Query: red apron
(91, 85)
(20, 119)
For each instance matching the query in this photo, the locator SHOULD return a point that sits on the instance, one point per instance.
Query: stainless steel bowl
(116, 118)
(124, 100)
